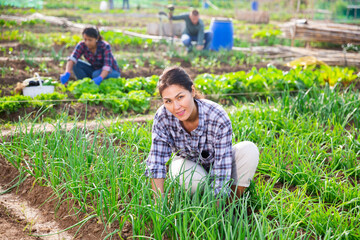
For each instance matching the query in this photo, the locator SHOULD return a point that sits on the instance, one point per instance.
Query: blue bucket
(223, 31)
(254, 5)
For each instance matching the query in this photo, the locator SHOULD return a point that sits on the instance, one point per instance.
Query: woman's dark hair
(92, 32)
(176, 76)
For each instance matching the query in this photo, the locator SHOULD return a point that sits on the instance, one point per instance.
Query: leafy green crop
(39, 41)
(65, 39)
(117, 39)
(336, 74)
(139, 101)
(10, 104)
(118, 105)
(133, 84)
(85, 85)
(48, 99)
(10, 35)
(110, 85)
(266, 33)
(90, 98)
(266, 81)
(112, 93)
(8, 23)
(150, 83)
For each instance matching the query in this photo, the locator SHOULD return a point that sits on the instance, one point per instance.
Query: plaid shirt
(102, 58)
(212, 138)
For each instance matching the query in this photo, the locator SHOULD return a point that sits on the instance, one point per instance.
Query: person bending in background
(194, 30)
(101, 62)
(199, 133)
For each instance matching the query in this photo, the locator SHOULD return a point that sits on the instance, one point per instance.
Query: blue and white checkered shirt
(210, 144)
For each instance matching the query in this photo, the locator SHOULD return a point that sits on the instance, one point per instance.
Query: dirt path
(31, 210)
(12, 228)
(19, 219)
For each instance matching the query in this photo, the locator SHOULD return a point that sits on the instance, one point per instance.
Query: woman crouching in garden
(101, 62)
(199, 132)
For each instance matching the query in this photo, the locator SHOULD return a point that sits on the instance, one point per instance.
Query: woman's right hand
(64, 78)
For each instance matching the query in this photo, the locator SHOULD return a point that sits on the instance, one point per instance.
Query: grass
(306, 185)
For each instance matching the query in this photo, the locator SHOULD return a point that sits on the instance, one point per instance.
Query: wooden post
(291, 6)
(298, 6)
(313, 8)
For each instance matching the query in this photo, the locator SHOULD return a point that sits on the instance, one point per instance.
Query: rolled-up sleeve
(78, 51)
(108, 58)
(221, 170)
(160, 151)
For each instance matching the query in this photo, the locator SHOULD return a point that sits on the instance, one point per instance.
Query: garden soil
(11, 227)
(42, 199)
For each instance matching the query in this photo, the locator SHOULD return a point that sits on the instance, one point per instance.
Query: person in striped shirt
(100, 64)
(197, 135)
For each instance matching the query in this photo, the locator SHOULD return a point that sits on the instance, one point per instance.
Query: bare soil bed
(12, 228)
(42, 198)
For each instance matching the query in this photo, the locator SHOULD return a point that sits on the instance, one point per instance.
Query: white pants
(244, 164)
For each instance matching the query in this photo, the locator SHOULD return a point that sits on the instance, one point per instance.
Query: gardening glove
(64, 78)
(97, 80)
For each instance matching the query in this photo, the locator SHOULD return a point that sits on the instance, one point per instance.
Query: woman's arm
(108, 61)
(77, 53)
(104, 74)
(157, 185)
(69, 66)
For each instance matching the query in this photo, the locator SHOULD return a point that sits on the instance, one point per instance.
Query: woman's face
(90, 42)
(179, 101)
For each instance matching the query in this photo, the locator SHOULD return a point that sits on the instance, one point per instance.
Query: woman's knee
(247, 151)
(246, 147)
(189, 174)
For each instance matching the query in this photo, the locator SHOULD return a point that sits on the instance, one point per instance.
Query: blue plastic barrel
(254, 5)
(206, 5)
(223, 31)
